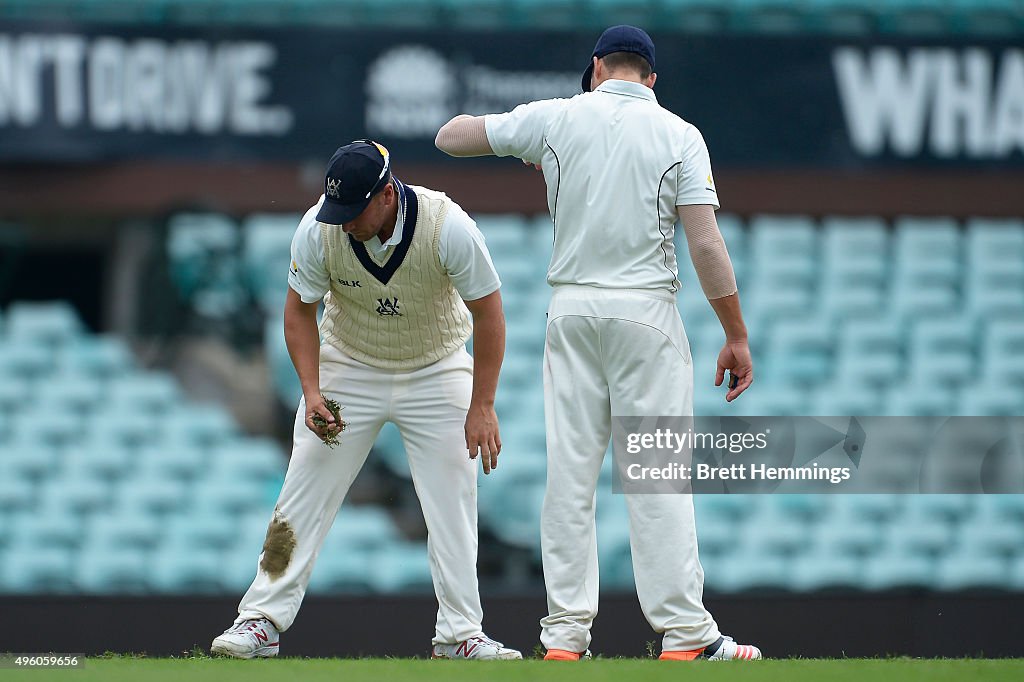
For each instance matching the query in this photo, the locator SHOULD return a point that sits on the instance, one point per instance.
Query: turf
(600, 670)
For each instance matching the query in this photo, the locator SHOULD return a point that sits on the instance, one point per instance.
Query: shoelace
(250, 625)
(484, 639)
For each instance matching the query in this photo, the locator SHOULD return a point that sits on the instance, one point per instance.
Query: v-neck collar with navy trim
(384, 273)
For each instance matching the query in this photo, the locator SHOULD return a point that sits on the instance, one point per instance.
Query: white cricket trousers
(623, 353)
(428, 406)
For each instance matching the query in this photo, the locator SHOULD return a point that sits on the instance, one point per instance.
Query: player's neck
(388, 228)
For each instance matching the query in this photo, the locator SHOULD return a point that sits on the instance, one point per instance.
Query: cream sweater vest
(401, 312)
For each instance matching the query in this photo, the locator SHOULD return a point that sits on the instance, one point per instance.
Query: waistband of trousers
(586, 292)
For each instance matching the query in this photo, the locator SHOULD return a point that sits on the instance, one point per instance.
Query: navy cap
(356, 173)
(620, 39)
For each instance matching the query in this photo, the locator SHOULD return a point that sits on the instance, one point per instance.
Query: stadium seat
(748, 571)
(238, 568)
(972, 572)
(843, 535)
(776, 236)
(63, 495)
(74, 393)
(920, 402)
(341, 570)
(35, 530)
(266, 254)
(716, 536)
(201, 527)
(775, 533)
(825, 571)
(193, 239)
(948, 507)
(13, 389)
(986, 399)
(729, 508)
(400, 567)
(880, 508)
(151, 496)
(98, 458)
(994, 240)
(23, 359)
(256, 458)
(898, 570)
(152, 392)
(97, 356)
(942, 350)
(231, 495)
(282, 373)
(613, 549)
(196, 571)
(801, 352)
(49, 324)
(41, 571)
(117, 530)
(999, 509)
(112, 570)
(110, 428)
(362, 528)
(204, 425)
(996, 540)
(919, 537)
(27, 458)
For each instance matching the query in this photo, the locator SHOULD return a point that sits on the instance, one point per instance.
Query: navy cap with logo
(620, 39)
(355, 174)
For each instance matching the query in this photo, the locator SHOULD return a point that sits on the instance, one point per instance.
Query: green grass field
(600, 670)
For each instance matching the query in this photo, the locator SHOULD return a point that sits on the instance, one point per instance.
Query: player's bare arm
(303, 340)
(482, 437)
(718, 280)
(464, 135)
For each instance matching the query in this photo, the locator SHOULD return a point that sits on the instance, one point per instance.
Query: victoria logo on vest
(388, 307)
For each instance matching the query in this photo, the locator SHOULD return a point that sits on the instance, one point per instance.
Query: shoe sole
(223, 648)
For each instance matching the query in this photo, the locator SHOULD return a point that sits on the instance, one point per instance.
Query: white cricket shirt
(461, 249)
(616, 166)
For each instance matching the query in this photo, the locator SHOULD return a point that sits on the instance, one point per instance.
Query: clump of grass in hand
(332, 438)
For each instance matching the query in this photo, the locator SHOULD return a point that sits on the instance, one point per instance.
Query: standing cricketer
(406, 279)
(619, 170)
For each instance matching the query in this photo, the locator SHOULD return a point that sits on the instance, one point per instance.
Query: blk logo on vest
(387, 307)
(350, 283)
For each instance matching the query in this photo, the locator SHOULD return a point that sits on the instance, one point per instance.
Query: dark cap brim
(588, 76)
(336, 213)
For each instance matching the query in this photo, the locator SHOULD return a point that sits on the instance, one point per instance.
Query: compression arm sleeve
(707, 250)
(464, 135)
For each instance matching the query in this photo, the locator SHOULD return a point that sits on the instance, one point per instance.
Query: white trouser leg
(578, 425)
(429, 409)
(317, 481)
(650, 374)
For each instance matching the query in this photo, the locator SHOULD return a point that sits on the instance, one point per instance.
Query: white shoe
(729, 650)
(480, 647)
(257, 638)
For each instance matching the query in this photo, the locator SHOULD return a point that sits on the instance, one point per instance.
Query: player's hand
(535, 165)
(482, 436)
(735, 357)
(315, 405)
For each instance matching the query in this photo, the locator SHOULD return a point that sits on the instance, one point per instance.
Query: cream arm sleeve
(464, 135)
(707, 250)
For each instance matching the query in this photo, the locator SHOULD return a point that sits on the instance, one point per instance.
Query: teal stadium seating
(846, 17)
(176, 499)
